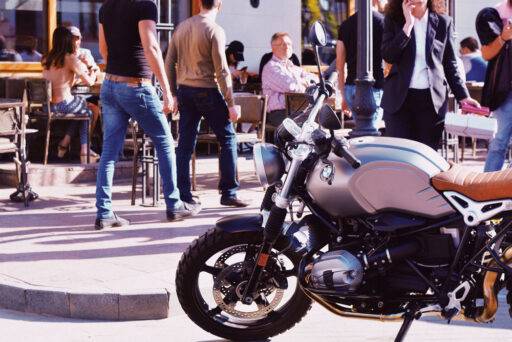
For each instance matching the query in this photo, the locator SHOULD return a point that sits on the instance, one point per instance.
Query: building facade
(27, 24)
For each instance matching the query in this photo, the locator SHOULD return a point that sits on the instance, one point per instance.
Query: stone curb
(84, 304)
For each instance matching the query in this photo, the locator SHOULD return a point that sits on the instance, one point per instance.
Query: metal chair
(39, 93)
(145, 154)
(295, 103)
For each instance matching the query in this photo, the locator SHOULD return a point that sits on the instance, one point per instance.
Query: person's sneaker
(194, 201)
(233, 202)
(114, 221)
(187, 209)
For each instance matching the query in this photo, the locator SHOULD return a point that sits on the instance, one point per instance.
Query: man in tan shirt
(196, 66)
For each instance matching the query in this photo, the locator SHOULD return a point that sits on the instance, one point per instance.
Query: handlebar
(340, 148)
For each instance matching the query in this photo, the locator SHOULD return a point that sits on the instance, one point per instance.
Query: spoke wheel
(211, 280)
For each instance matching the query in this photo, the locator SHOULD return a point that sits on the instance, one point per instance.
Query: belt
(128, 79)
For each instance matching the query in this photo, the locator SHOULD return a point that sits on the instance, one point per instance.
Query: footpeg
(456, 297)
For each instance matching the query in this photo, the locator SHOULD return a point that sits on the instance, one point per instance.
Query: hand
(506, 34)
(83, 58)
(175, 106)
(471, 102)
(407, 8)
(234, 115)
(306, 83)
(168, 105)
(345, 109)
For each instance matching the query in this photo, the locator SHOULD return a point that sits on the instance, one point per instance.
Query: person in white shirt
(281, 76)
(418, 41)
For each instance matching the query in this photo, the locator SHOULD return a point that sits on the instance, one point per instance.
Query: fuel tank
(394, 176)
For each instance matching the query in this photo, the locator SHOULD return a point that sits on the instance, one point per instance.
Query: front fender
(293, 239)
(241, 223)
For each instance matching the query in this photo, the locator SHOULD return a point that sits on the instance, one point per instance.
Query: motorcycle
(380, 228)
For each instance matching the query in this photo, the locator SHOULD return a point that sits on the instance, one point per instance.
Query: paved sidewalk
(52, 260)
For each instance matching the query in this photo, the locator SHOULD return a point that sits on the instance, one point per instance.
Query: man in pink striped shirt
(281, 76)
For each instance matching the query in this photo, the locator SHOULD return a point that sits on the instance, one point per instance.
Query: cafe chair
(39, 94)
(14, 88)
(296, 103)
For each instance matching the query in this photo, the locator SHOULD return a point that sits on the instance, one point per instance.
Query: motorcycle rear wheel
(216, 320)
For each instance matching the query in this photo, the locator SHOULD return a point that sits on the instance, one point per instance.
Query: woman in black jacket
(418, 42)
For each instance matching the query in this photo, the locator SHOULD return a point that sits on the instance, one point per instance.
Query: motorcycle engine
(336, 270)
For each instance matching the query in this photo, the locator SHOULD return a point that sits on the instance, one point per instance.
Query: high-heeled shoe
(62, 151)
(94, 157)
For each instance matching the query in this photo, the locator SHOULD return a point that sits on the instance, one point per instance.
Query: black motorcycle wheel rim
(213, 311)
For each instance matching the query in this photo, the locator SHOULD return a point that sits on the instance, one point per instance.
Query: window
(85, 16)
(22, 30)
(26, 27)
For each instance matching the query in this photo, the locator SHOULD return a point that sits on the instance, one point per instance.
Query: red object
(263, 259)
(467, 108)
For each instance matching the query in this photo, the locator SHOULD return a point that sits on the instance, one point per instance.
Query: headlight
(269, 163)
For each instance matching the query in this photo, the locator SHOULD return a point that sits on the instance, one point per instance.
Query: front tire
(227, 321)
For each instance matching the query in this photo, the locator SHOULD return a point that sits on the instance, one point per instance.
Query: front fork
(273, 229)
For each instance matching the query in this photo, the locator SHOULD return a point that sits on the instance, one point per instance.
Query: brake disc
(229, 286)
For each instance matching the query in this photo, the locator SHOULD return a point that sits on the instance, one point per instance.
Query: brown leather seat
(478, 186)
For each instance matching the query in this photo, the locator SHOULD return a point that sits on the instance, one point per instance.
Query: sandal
(94, 157)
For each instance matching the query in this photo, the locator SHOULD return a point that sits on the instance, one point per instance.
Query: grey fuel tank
(394, 176)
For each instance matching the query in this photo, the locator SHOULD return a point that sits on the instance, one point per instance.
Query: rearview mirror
(317, 34)
(327, 118)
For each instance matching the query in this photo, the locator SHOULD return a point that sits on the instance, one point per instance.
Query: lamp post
(364, 102)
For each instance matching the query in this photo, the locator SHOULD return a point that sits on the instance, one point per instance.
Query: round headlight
(269, 163)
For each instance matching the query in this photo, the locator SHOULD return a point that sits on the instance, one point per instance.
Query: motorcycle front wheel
(210, 282)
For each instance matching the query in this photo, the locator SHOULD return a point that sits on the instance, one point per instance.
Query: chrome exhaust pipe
(337, 311)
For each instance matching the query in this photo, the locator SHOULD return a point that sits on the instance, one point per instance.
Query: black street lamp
(364, 102)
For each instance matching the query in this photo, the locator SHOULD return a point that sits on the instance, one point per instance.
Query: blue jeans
(195, 103)
(121, 101)
(499, 145)
(78, 106)
(350, 93)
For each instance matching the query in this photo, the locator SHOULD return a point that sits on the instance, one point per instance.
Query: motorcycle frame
(456, 272)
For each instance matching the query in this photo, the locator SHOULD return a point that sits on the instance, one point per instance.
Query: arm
(274, 78)
(341, 59)
(102, 43)
(491, 50)
(450, 65)
(80, 70)
(393, 43)
(171, 60)
(147, 32)
(308, 77)
(341, 55)
(221, 66)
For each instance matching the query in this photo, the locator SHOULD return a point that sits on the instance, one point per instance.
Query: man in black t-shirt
(129, 44)
(346, 53)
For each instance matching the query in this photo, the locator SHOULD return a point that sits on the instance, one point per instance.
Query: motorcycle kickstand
(409, 316)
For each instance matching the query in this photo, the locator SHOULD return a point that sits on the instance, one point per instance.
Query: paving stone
(12, 298)
(102, 306)
(151, 305)
(48, 302)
